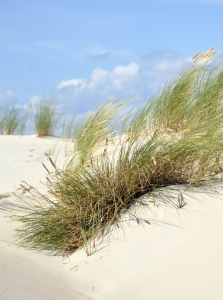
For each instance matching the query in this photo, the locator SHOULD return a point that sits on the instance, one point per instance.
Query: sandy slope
(25, 274)
(154, 252)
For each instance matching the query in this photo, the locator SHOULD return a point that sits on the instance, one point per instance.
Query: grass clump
(176, 138)
(96, 128)
(45, 117)
(12, 119)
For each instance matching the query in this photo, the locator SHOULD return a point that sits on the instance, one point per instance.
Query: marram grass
(12, 119)
(95, 129)
(176, 138)
(45, 117)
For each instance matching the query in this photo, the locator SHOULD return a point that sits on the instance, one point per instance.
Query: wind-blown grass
(45, 117)
(95, 129)
(176, 138)
(12, 119)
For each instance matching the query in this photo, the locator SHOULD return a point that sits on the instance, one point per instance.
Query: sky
(82, 53)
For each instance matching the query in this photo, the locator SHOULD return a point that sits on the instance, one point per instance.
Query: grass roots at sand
(175, 138)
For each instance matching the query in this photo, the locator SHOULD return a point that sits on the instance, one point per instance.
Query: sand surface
(156, 252)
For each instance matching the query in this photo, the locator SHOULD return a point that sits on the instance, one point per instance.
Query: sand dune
(155, 252)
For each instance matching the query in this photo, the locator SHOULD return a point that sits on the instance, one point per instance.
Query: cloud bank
(139, 79)
(130, 81)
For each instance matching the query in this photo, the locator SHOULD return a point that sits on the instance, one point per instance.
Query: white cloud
(102, 85)
(162, 64)
(7, 96)
(129, 81)
(79, 83)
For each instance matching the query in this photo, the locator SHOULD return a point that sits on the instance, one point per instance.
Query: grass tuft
(176, 138)
(12, 119)
(98, 127)
(45, 117)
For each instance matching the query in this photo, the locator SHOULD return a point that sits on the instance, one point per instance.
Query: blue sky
(84, 52)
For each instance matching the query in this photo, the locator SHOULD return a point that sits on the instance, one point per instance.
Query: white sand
(177, 256)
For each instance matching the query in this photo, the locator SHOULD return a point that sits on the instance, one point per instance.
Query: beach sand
(157, 252)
